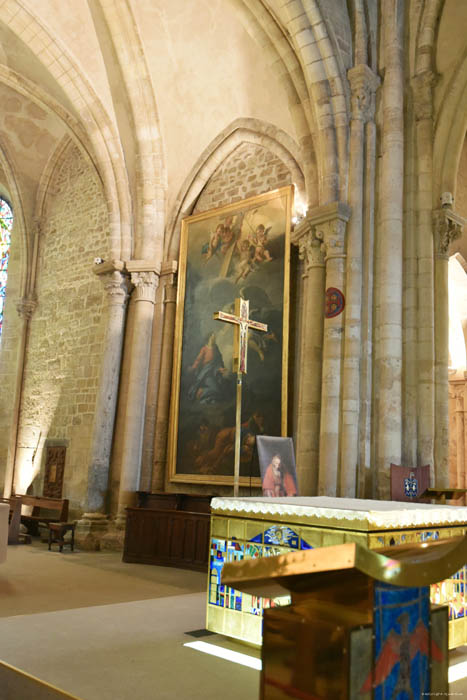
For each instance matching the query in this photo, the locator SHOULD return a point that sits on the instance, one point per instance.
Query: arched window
(6, 223)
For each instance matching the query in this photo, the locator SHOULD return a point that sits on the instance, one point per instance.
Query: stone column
(363, 84)
(94, 520)
(390, 239)
(422, 89)
(330, 223)
(460, 444)
(463, 474)
(161, 435)
(310, 250)
(168, 271)
(145, 278)
(25, 308)
(448, 227)
(366, 463)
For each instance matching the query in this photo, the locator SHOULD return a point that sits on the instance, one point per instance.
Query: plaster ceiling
(15, 54)
(451, 38)
(207, 71)
(30, 135)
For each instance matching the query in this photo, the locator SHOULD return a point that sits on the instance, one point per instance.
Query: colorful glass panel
(276, 539)
(400, 625)
(6, 223)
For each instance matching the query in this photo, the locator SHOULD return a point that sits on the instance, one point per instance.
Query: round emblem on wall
(335, 302)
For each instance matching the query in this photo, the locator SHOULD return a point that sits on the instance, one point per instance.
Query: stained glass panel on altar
(6, 223)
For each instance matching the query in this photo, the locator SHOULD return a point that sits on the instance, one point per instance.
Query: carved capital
(145, 285)
(117, 287)
(334, 238)
(329, 222)
(447, 227)
(309, 242)
(363, 85)
(422, 92)
(168, 276)
(26, 307)
(321, 235)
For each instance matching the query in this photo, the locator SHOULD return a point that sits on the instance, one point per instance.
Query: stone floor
(104, 630)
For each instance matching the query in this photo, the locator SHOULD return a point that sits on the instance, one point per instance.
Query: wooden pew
(44, 510)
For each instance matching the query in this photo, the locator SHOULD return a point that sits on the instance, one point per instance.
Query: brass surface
(223, 619)
(410, 565)
(288, 193)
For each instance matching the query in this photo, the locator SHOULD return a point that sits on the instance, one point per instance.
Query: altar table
(256, 527)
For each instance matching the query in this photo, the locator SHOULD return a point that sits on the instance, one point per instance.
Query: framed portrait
(276, 459)
(238, 251)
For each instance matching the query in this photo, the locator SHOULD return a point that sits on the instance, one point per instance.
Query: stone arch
(20, 228)
(115, 24)
(302, 50)
(450, 131)
(240, 131)
(106, 147)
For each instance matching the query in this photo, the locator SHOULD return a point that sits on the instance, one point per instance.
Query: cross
(242, 325)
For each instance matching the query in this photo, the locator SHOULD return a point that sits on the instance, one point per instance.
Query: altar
(257, 527)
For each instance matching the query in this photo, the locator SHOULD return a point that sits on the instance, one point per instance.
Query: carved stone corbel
(363, 85)
(447, 227)
(26, 307)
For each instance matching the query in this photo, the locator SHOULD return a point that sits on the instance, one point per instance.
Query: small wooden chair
(57, 534)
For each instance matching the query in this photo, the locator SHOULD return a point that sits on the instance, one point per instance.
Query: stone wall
(248, 171)
(67, 330)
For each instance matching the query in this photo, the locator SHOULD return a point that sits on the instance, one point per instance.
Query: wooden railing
(15, 684)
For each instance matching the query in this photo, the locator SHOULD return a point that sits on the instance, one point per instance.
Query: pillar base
(114, 538)
(90, 531)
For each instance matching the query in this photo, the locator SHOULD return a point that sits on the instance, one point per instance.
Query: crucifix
(240, 353)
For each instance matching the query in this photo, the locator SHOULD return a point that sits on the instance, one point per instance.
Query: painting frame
(282, 198)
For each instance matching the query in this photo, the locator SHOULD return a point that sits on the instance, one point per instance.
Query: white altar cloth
(360, 513)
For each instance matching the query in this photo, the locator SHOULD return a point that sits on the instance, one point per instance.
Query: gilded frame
(279, 201)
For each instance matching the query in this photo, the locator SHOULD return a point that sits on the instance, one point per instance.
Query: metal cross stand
(242, 324)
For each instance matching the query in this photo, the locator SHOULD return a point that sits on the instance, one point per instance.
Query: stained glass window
(6, 223)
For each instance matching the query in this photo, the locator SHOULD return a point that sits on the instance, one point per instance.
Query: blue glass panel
(6, 223)
(401, 629)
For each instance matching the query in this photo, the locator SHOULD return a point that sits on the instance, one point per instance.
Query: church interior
(158, 161)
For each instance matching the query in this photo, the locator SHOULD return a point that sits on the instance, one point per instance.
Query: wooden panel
(54, 469)
(167, 537)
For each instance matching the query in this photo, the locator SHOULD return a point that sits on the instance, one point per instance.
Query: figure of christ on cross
(240, 354)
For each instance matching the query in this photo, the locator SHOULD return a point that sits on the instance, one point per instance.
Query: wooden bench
(44, 510)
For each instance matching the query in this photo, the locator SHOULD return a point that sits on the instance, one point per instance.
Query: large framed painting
(242, 250)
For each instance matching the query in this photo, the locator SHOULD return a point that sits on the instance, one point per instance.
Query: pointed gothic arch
(240, 131)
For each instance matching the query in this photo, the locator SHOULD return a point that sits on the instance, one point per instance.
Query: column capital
(321, 234)
(168, 272)
(117, 286)
(145, 285)
(26, 307)
(145, 278)
(448, 227)
(116, 282)
(310, 245)
(422, 93)
(363, 85)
